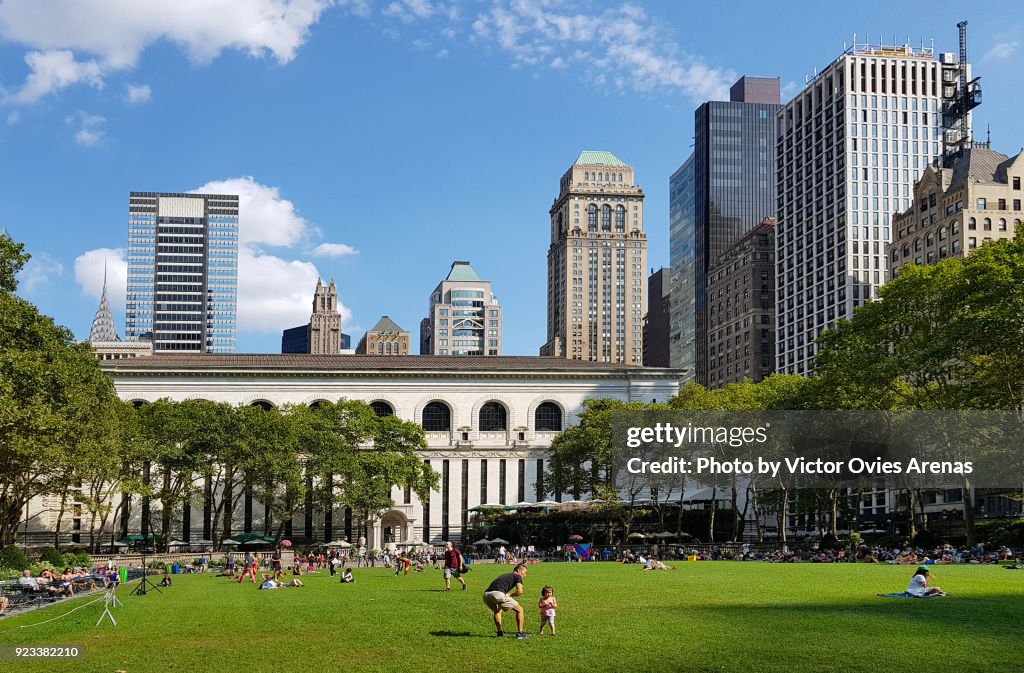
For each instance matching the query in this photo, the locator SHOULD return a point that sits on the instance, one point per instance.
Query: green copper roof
(462, 271)
(589, 158)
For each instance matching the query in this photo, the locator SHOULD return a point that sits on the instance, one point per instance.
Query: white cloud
(53, 70)
(38, 271)
(138, 94)
(334, 250)
(620, 47)
(1001, 51)
(273, 293)
(264, 217)
(118, 31)
(89, 269)
(90, 131)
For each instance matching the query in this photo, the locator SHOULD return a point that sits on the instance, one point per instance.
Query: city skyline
(449, 130)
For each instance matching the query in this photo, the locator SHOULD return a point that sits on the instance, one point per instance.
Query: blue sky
(376, 142)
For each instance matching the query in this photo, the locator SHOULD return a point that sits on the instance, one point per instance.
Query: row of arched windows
(437, 416)
(606, 218)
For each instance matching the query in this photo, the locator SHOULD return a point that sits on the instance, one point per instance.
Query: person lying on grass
(270, 583)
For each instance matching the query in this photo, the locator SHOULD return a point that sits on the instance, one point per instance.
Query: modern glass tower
(682, 337)
(850, 147)
(733, 190)
(183, 271)
(465, 317)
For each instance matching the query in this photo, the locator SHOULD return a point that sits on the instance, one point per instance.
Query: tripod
(109, 601)
(145, 585)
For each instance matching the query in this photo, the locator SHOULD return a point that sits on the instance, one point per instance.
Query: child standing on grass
(547, 606)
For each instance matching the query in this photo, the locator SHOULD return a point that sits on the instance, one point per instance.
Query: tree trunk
(60, 519)
(711, 519)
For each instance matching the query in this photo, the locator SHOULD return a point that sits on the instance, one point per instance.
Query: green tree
(52, 396)
(945, 336)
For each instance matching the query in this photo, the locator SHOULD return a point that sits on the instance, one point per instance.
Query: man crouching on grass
(499, 597)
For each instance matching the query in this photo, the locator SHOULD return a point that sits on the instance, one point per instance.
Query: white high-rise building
(850, 147)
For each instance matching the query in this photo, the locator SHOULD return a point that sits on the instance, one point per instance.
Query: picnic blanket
(907, 594)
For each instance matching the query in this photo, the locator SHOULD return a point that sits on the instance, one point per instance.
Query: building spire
(103, 328)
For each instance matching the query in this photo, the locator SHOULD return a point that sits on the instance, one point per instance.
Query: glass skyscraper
(183, 271)
(733, 190)
(682, 317)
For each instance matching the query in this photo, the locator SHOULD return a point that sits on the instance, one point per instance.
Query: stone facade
(481, 456)
(975, 200)
(597, 262)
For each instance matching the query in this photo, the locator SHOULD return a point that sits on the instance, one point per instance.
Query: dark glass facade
(734, 190)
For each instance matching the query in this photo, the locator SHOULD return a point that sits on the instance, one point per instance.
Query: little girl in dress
(547, 606)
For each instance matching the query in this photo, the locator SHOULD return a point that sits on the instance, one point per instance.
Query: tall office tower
(656, 320)
(465, 317)
(325, 323)
(103, 328)
(851, 145)
(322, 335)
(597, 289)
(741, 309)
(682, 340)
(183, 271)
(733, 185)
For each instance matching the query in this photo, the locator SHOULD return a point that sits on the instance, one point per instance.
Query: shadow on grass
(460, 634)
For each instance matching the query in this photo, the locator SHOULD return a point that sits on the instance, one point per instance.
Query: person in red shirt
(453, 563)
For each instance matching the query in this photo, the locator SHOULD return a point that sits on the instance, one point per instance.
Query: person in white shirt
(920, 584)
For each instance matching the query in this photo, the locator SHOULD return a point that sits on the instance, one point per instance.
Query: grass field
(711, 616)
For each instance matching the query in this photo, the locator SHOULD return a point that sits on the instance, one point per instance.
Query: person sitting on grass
(920, 584)
(166, 581)
(346, 577)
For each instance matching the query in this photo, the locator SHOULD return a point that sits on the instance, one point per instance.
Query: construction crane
(957, 105)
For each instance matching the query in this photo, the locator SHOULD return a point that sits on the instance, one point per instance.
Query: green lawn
(710, 616)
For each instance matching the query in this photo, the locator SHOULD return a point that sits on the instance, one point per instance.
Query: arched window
(592, 217)
(437, 417)
(262, 404)
(955, 227)
(895, 255)
(493, 418)
(942, 233)
(1002, 224)
(906, 251)
(382, 408)
(139, 403)
(620, 218)
(606, 218)
(972, 223)
(930, 239)
(986, 224)
(316, 404)
(548, 418)
(917, 245)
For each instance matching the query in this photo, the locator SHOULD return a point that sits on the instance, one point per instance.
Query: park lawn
(702, 617)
